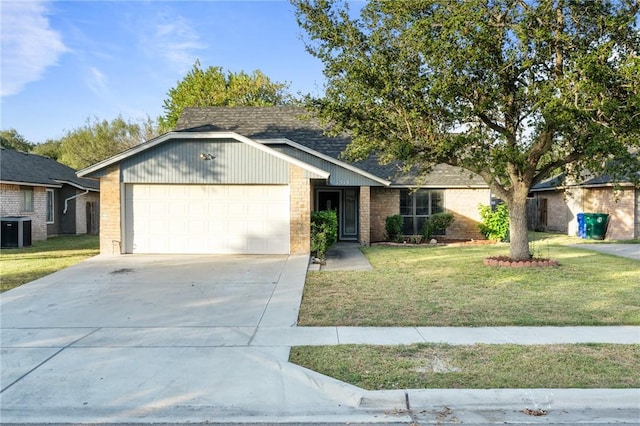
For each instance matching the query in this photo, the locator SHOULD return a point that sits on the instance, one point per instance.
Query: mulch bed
(507, 262)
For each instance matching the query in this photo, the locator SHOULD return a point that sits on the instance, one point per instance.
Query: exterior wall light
(206, 156)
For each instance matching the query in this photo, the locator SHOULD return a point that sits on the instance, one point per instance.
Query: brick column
(365, 215)
(300, 211)
(110, 227)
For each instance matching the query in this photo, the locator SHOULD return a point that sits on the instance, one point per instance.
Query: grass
(449, 286)
(20, 266)
(476, 367)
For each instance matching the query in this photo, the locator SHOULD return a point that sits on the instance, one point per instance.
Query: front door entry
(345, 203)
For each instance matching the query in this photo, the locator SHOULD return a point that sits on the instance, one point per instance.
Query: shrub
(324, 232)
(437, 222)
(393, 226)
(495, 222)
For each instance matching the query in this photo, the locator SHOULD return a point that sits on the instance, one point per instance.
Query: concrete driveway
(158, 339)
(632, 251)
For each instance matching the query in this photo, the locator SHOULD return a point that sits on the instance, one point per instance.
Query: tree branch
(543, 172)
(492, 124)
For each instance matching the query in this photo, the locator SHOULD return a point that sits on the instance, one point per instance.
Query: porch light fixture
(206, 156)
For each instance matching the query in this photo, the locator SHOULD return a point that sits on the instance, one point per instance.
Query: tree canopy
(13, 140)
(215, 87)
(513, 90)
(97, 140)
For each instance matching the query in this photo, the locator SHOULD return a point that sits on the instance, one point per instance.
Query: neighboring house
(50, 193)
(554, 206)
(246, 179)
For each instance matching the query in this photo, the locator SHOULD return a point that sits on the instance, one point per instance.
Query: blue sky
(66, 61)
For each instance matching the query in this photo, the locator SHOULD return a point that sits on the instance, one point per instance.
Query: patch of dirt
(437, 365)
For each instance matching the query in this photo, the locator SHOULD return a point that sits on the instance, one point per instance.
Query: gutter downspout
(66, 202)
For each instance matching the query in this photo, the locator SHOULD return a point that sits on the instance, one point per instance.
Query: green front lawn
(440, 366)
(449, 286)
(19, 266)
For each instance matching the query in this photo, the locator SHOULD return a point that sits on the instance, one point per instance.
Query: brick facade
(619, 205)
(110, 198)
(11, 205)
(557, 212)
(384, 202)
(365, 215)
(463, 204)
(300, 211)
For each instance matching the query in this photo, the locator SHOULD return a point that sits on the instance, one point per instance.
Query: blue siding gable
(179, 161)
(340, 176)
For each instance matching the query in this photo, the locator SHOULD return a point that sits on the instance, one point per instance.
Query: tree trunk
(518, 232)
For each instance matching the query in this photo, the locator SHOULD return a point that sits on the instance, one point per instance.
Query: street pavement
(206, 339)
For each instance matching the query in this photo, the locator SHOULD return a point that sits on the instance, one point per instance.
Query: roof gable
(32, 169)
(139, 150)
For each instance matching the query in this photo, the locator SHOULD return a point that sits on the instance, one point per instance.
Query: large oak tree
(513, 90)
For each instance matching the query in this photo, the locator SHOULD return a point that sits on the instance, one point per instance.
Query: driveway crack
(48, 359)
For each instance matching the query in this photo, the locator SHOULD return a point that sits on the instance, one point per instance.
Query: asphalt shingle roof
(295, 124)
(21, 167)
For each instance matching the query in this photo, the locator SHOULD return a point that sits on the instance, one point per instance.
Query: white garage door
(191, 219)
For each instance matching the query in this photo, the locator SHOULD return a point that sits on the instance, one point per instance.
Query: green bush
(324, 232)
(437, 222)
(495, 223)
(393, 226)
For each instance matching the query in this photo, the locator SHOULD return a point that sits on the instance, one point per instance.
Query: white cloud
(97, 81)
(173, 39)
(29, 45)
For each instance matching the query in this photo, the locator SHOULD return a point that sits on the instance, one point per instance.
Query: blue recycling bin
(582, 226)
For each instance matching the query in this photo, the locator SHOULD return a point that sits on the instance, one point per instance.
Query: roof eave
(434, 186)
(77, 185)
(15, 182)
(326, 158)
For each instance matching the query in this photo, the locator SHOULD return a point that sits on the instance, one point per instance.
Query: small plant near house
(324, 232)
(495, 223)
(393, 226)
(437, 222)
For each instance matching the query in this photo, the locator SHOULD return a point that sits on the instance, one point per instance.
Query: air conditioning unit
(15, 231)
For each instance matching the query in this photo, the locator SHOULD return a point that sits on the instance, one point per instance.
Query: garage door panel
(207, 219)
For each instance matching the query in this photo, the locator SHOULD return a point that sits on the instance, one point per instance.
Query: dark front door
(345, 203)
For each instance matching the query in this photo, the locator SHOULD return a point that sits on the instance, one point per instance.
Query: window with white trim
(26, 199)
(50, 206)
(417, 206)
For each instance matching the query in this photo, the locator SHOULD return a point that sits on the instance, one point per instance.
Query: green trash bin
(596, 225)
